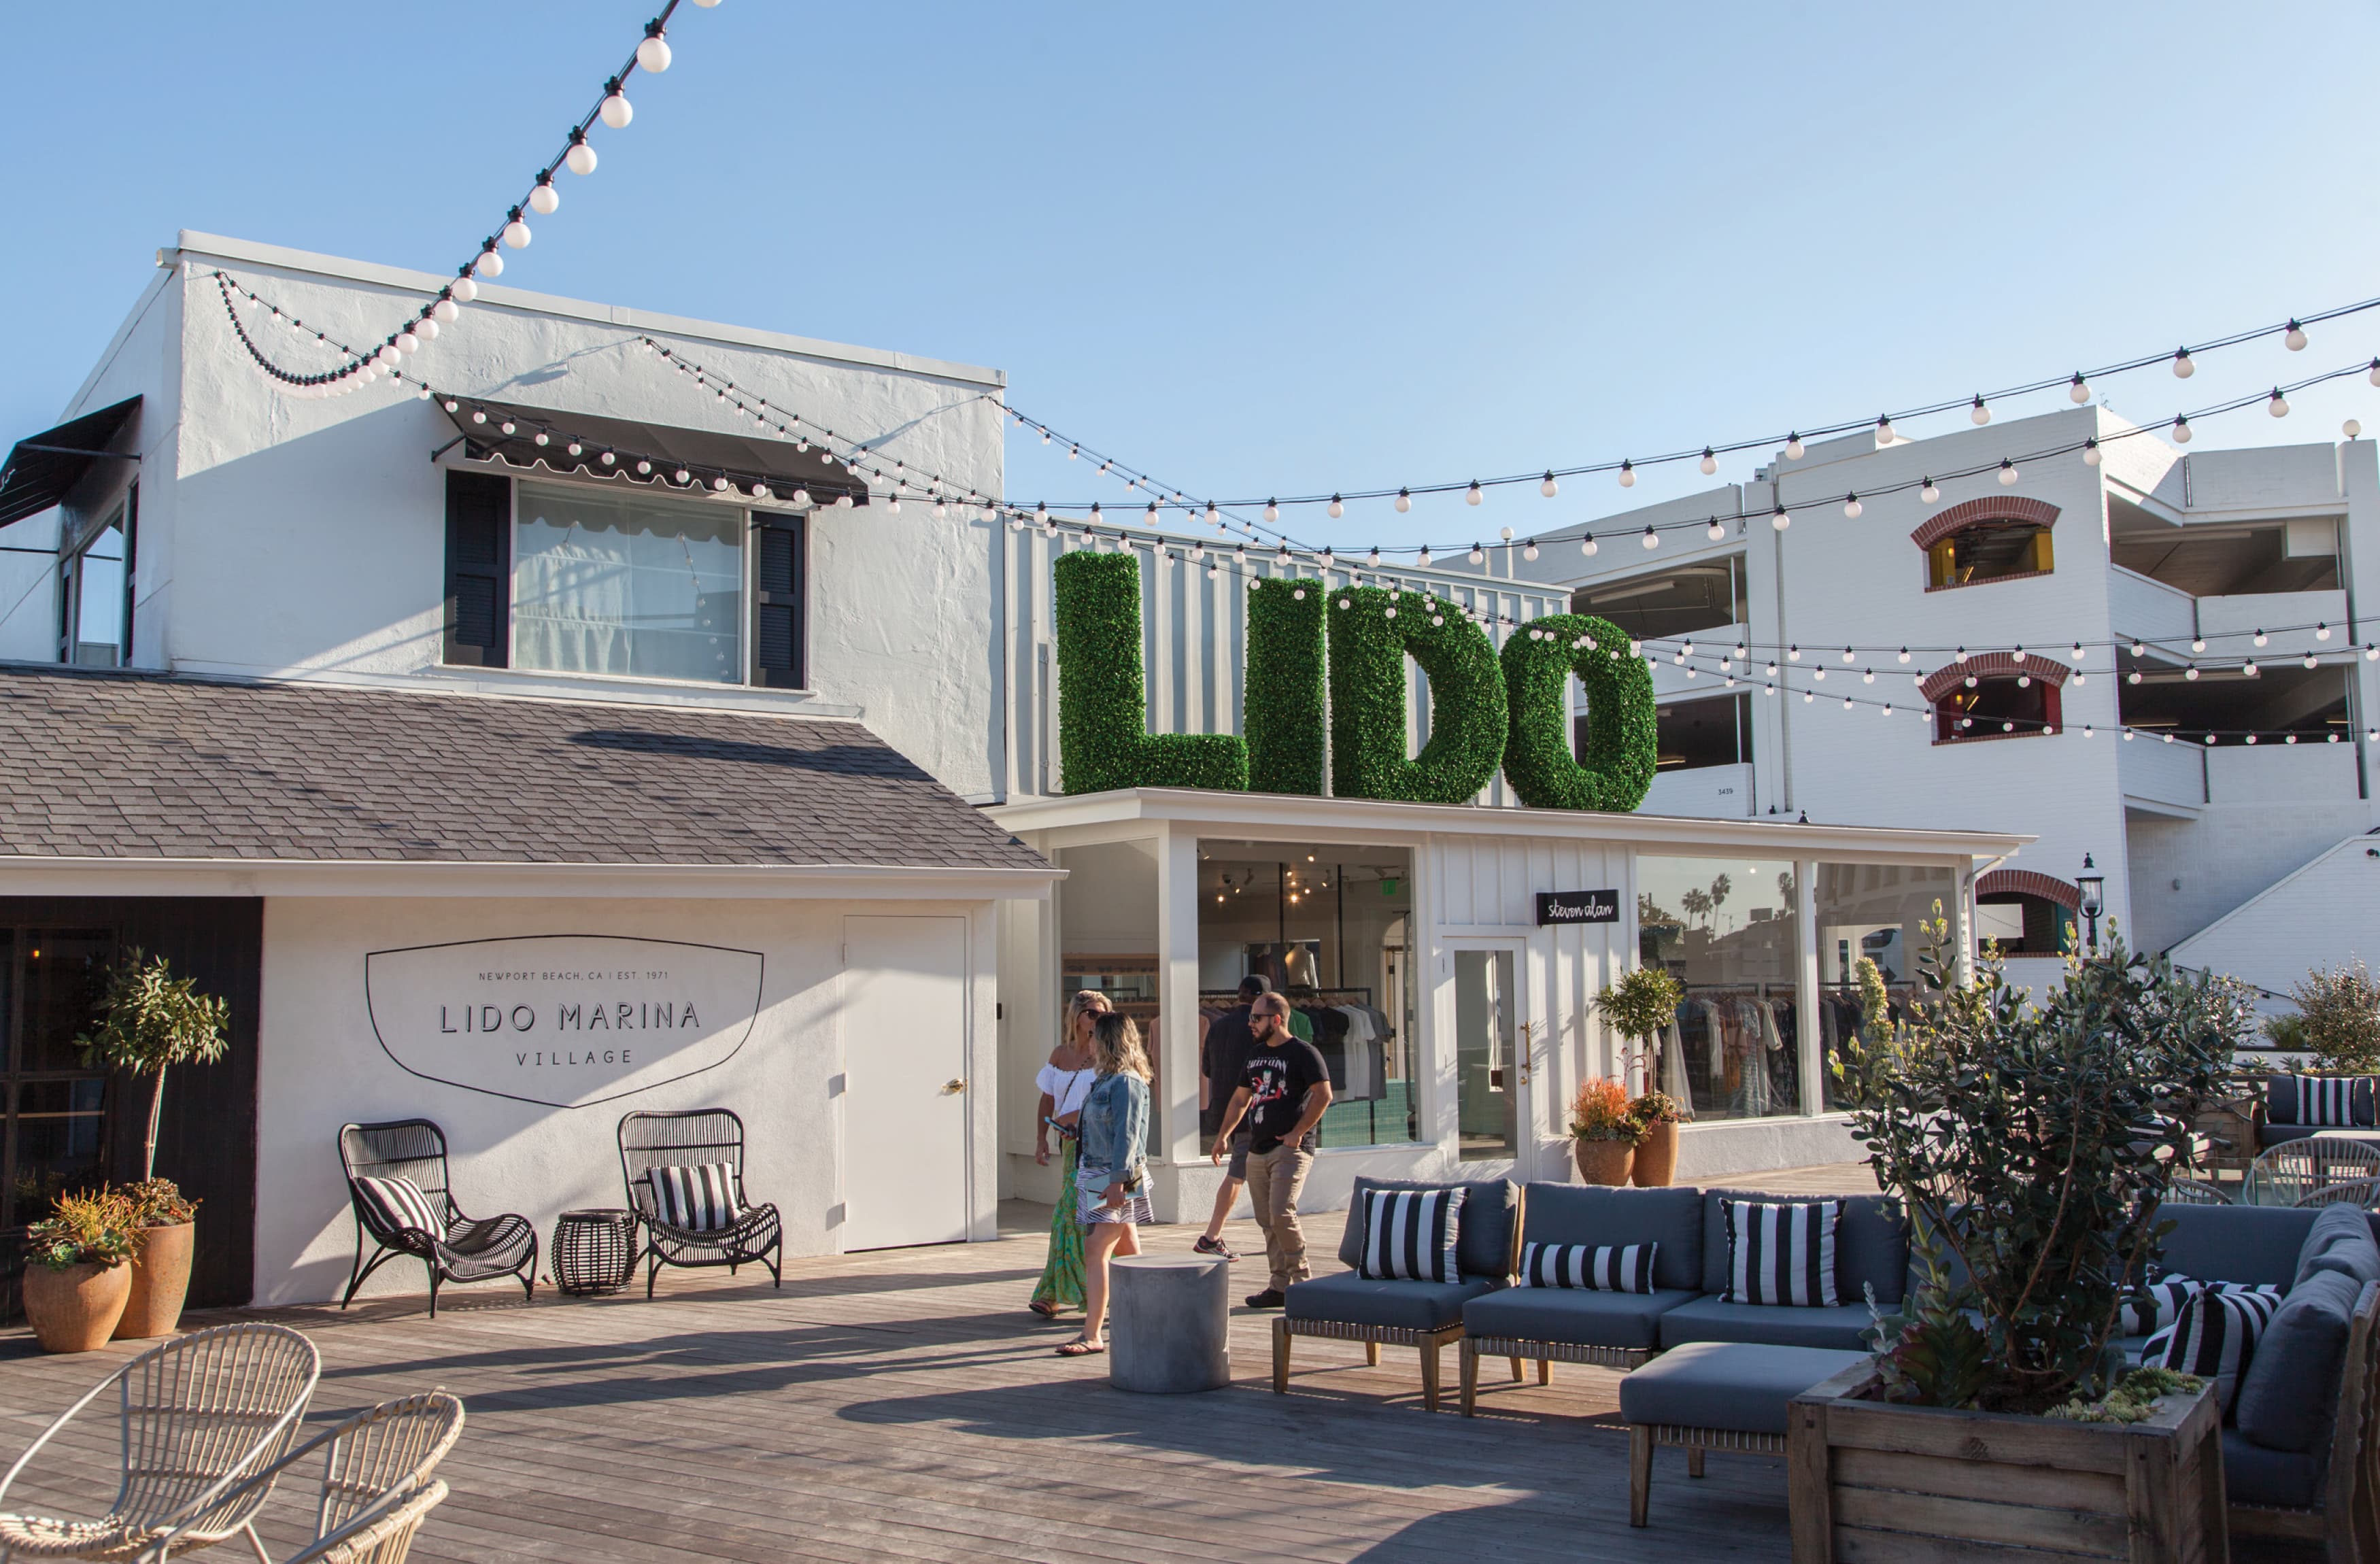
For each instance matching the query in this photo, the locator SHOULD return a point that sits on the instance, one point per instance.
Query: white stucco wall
(321, 1066)
(2325, 915)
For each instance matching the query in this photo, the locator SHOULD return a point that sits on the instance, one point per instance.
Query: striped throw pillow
(1601, 1268)
(2185, 1292)
(2147, 1310)
(702, 1198)
(398, 1204)
(1409, 1234)
(1781, 1252)
(2322, 1101)
(2216, 1337)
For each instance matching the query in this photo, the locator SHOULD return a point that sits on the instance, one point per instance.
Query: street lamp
(2093, 886)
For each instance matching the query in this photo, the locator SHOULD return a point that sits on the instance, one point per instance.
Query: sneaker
(1269, 1299)
(1214, 1246)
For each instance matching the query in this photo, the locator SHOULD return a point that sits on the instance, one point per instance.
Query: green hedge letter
(1621, 748)
(1104, 738)
(1372, 632)
(1284, 687)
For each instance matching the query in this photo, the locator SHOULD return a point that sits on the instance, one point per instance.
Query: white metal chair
(196, 1416)
(2196, 1192)
(376, 1488)
(2352, 1192)
(2287, 1174)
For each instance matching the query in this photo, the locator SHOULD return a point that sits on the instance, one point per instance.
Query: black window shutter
(479, 568)
(780, 632)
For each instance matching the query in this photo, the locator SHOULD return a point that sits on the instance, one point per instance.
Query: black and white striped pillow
(2154, 1308)
(1409, 1234)
(2327, 1101)
(702, 1198)
(2216, 1337)
(1600, 1267)
(1781, 1252)
(2185, 1292)
(397, 1204)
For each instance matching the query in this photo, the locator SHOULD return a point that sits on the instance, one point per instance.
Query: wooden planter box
(1879, 1483)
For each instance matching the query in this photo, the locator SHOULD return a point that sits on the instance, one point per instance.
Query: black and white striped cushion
(2323, 1101)
(2147, 1310)
(2216, 1337)
(1781, 1252)
(1409, 1234)
(2183, 1292)
(1600, 1267)
(702, 1198)
(397, 1204)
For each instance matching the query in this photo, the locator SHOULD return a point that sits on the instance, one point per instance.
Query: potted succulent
(1603, 1133)
(77, 1274)
(1657, 1115)
(149, 1022)
(162, 1215)
(2030, 1145)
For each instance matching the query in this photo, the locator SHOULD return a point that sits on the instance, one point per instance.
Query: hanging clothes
(1674, 1079)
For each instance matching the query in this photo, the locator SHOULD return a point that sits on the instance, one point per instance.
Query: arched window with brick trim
(1994, 539)
(2022, 912)
(1995, 695)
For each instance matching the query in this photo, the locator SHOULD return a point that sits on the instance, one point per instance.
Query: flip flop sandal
(1079, 1348)
(1046, 1311)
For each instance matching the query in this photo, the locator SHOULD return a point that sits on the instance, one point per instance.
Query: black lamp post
(2094, 887)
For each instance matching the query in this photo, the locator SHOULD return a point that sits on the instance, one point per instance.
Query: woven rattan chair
(691, 1139)
(2352, 1192)
(469, 1250)
(2196, 1192)
(2287, 1174)
(376, 1488)
(196, 1416)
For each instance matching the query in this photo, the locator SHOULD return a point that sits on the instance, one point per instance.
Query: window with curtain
(627, 584)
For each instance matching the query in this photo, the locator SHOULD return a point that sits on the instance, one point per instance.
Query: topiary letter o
(1103, 738)
(1621, 748)
(1372, 631)
(1284, 686)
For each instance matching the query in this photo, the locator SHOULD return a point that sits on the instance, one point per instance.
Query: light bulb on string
(1424, 560)
(1779, 521)
(1272, 512)
(487, 264)
(1852, 506)
(515, 235)
(2079, 391)
(1627, 473)
(2181, 430)
(1979, 415)
(1587, 544)
(1709, 462)
(2278, 405)
(1338, 507)
(2183, 368)
(1529, 550)
(2375, 376)
(545, 198)
(1477, 555)
(1549, 487)
(2322, 631)
(1715, 531)
(581, 159)
(2091, 452)
(1883, 429)
(1472, 496)
(1652, 539)
(1793, 442)
(1928, 492)
(2293, 337)
(2008, 472)
(653, 54)
(2198, 643)
(1404, 501)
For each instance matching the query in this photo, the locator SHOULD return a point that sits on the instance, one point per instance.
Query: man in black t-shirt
(1284, 1090)
(1222, 1058)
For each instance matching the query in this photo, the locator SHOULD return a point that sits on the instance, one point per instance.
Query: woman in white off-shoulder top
(1065, 1081)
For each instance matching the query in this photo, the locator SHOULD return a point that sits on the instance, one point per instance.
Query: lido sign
(562, 1020)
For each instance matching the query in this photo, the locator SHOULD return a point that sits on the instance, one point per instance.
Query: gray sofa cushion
(2253, 1474)
(1871, 1246)
(2292, 1386)
(2255, 1244)
(2340, 1240)
(1727, 1385)
(1482, 1245)
(1411, 1306)
(1577, 1214)
(1708, 1320)
(1574, 1317)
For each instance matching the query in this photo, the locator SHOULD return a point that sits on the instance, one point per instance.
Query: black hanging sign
(1577, 906)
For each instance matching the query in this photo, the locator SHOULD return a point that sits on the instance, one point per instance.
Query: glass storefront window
(1330, 926)
(1878, 911)
(1107, 941)
(1486, 1084)
(1727, 930)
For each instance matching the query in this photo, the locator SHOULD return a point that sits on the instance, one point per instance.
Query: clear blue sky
(1266, 247)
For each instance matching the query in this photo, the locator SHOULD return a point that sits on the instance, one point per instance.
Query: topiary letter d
(1104, 738)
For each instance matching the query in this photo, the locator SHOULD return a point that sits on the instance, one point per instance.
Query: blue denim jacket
(1116, 1127)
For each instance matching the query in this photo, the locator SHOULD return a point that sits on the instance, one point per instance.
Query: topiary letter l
(1103, 738)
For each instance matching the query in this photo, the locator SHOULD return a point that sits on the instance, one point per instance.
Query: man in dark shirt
(1222, 1058)
(1284, 1090)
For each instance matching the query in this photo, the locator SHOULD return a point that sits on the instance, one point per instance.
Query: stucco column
(1806, 996)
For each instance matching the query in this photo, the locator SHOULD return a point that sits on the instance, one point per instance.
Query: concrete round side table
(1172, 1329)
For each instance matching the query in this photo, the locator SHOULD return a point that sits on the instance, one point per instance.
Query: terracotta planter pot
(1657, 1156)
(161, 1279)
(1603, 1161)
(75, 1310)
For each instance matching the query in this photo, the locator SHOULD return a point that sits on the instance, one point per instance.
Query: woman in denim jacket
(1111, 1182)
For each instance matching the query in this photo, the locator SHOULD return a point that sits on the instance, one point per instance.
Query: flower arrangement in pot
(1657, 1115)
(149, 1022)
(1639, 1007)
(1603, 1131)
(77, 1274)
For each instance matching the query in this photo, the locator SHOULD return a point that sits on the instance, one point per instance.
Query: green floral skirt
(1062, 1279)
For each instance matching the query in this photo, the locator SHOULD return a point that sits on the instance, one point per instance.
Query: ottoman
(1716, 1395)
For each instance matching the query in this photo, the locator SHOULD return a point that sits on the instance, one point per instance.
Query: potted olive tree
(1603, 1133)
(2030, 1145)
(149, 1022)
(77, 1274)
(1638, 1007)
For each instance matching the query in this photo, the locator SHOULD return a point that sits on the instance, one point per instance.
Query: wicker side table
(593, 1251)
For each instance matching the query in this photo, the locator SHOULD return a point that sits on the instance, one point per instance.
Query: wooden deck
(904, 1405)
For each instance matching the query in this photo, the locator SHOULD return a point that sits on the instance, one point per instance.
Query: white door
(906, 1086)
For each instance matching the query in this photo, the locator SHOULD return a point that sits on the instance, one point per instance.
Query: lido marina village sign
(1486, 708)
(568, 1021)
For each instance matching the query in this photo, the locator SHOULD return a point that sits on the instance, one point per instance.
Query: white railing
(2273, 772)
(2149, 608)
(2158, 772)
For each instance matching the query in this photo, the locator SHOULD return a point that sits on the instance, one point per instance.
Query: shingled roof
(143, 766)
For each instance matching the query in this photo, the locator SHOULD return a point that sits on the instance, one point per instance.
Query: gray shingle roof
(148, 766)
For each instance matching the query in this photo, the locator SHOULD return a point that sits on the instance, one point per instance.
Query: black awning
(43, 468)
(542, 438)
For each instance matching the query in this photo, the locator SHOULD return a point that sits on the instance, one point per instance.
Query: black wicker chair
(469, 1250)
(690, 1139)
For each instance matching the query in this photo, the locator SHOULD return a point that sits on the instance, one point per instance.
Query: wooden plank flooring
(904, 1406)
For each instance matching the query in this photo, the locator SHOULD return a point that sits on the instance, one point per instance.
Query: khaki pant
(1275, 1177)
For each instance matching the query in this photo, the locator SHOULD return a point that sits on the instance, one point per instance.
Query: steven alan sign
(565, 1020)
(1577, 906)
